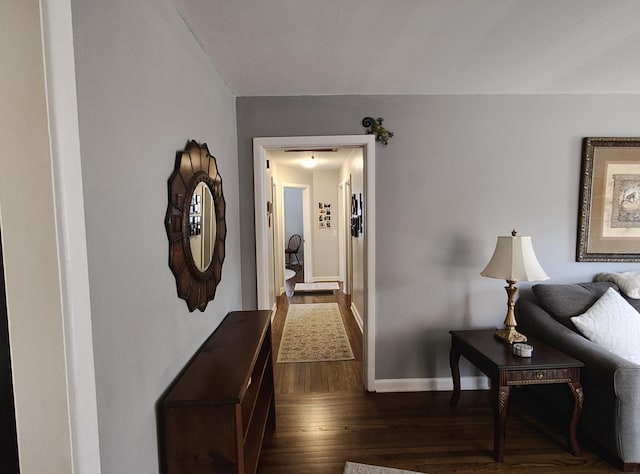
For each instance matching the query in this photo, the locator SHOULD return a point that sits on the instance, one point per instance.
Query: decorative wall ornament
(609, 214)
(356, 216)
(324, 215)
(196, 226)
(375, 127)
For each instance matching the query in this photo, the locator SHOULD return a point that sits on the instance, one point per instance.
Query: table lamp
(513, 260)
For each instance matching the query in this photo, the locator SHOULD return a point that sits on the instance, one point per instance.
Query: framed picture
(609, 215)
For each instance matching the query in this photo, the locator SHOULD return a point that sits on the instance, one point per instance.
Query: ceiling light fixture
(309, 162)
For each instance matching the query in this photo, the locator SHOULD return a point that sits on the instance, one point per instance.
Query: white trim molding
(60, 76)
(358, 317)
(437, 384)
(326, 278)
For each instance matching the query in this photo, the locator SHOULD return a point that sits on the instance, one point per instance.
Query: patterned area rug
(320, 286)
(312, 333)
(356, 468)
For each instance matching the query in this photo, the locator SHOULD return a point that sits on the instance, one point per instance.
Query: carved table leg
(500, 408)
(578, 398)
(454, 363)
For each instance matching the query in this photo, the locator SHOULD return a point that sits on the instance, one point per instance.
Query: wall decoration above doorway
(196, 226)
(375, 127)
(609, 217)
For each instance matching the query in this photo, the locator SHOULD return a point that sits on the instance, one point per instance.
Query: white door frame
(278, 236)
(344, 234)
(367, 142)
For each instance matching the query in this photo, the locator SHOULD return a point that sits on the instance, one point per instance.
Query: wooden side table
(495, 359)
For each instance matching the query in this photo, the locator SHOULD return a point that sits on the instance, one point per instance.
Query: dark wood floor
(324, 418)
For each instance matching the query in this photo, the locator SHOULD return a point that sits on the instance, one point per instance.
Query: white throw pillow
(612, 323)
(629, 282)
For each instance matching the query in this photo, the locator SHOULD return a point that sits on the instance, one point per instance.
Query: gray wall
(459, 171)
(144, 88)
(325, 240)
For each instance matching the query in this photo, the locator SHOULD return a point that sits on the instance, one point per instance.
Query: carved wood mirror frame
(193, 166)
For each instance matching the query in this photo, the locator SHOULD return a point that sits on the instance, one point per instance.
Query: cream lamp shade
(513, 260)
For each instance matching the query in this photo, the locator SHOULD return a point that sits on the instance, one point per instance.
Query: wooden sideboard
(213, 417)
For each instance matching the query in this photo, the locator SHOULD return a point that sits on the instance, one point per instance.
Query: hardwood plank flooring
(324, 418)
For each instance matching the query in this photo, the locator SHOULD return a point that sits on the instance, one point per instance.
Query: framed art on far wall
(609, 214)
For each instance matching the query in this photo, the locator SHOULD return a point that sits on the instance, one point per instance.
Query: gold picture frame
(609, 214)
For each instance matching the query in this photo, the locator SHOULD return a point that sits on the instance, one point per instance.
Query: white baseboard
(431, 384)
(358, 317)
(274, 309)
(326, 278)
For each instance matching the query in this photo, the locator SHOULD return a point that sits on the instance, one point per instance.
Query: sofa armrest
(627, 389)
(600, 364)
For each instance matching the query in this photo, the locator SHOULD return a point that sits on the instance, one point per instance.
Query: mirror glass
(202, 226)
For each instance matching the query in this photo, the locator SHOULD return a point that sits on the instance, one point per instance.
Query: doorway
(295, 220)
(8, 435)
(293, 225)
(264, 271)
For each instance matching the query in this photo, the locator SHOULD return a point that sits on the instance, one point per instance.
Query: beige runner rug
(312, 333)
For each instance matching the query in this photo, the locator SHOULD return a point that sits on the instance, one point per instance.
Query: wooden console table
(495, 359)
(213, 418)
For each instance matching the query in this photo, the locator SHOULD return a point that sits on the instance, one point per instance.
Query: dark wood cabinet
(213, 418)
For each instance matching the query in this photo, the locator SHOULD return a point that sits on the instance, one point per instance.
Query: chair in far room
(292, 248)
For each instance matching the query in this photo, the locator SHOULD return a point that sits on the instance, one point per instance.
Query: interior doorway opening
(294, 219)
(293, 226)
(265, 172)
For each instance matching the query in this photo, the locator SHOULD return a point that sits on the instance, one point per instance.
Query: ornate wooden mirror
(196, 225)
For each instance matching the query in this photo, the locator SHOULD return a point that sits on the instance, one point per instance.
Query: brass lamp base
(510, 335)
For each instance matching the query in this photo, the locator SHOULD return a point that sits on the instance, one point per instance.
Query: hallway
(317, 377)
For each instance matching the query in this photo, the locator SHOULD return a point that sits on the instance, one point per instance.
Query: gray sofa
(611, 410)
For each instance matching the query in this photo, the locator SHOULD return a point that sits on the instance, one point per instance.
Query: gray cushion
(633, 302)
(565, 301)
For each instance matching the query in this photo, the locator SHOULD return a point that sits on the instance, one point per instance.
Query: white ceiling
(325, 47)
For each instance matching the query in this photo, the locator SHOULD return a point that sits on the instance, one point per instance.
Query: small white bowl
(522, 350)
